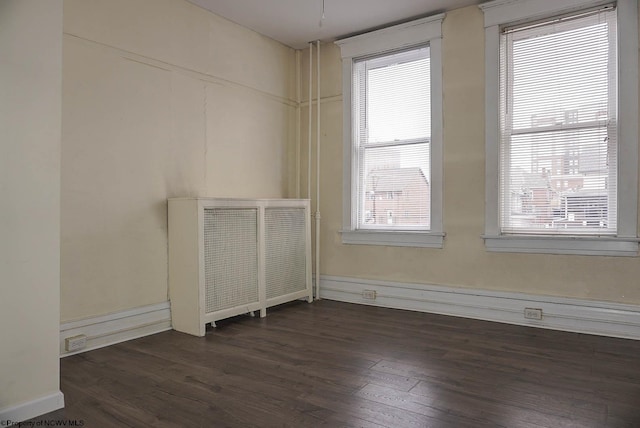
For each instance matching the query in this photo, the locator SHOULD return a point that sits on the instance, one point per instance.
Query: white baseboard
(117, 327)
(31, 409)
(575, 315)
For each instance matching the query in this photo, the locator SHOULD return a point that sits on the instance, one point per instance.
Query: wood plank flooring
(341, 365)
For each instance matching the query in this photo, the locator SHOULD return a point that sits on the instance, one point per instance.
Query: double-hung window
(391, 120)
(393, 149)
(557, 147)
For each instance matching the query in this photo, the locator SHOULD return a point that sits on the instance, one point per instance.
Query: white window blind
(392, 135)
(558, 148)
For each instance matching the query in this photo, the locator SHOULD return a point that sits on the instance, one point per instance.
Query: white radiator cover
(232, 256)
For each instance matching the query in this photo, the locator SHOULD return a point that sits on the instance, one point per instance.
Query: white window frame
(415, 33)
(501, 13)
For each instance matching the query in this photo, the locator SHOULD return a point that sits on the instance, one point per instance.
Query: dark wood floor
(341, 365)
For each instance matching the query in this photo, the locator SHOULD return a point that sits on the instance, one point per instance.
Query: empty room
(339, 213)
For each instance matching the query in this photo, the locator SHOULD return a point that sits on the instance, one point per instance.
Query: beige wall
(30, 84)
(160, 99)
(171, 100)
(463, 262)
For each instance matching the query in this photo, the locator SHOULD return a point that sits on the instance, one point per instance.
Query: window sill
(578, 245)
(393, 238)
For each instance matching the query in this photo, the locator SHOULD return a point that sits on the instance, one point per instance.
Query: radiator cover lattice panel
(231, 258)
(285, 261)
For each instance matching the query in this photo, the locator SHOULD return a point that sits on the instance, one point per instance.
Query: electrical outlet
(369, 294)
(533, 313)
(75, 343)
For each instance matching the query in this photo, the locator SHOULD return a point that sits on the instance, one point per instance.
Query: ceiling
(297, 22)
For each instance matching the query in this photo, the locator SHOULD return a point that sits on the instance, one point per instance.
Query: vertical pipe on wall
(318, 172)
(310, 119)
(298, 126)
(309, 123)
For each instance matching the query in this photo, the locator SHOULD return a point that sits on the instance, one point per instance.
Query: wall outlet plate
(75, 343)
(369, 294)
(533, 313)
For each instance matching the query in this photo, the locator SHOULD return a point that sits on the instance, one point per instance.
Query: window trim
(509, 12)
(423, 31)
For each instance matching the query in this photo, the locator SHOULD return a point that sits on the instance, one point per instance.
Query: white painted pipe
(310, 119)
(318, 173)
(298, 126)
(310, 136)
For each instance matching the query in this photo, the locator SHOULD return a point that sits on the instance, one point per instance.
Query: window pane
(561, 78)
(558, 149)
(392, 97)
(398, 101)
(559, 181)
(395, 191)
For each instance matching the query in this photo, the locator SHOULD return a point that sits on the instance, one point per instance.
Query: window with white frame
(558, 115)
(558, 129)
(393, 130)
(391, 120)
